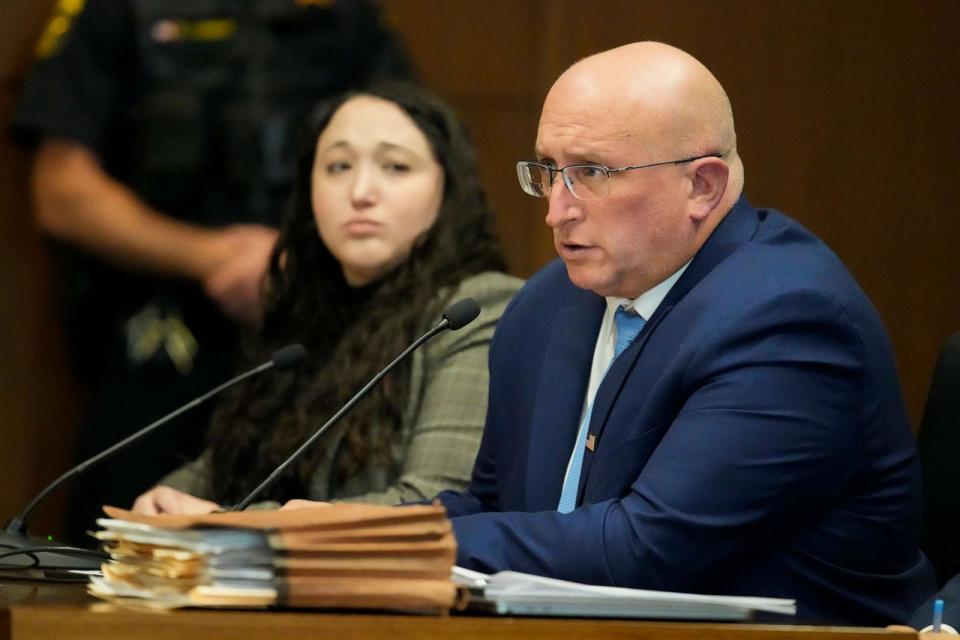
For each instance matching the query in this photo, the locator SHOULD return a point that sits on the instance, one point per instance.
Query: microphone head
(289, 356)
(461, 313)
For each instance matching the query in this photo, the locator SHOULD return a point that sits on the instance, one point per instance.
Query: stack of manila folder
(344, 555)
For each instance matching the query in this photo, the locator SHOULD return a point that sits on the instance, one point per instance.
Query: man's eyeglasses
(585, 181)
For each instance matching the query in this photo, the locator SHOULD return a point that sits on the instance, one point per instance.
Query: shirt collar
(647, 302)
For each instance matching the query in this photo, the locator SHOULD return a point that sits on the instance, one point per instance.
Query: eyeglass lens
(584, 182)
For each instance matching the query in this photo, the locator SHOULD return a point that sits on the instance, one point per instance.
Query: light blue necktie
(629, 323)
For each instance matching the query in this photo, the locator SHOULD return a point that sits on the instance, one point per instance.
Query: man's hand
(164, 499)
(237, 283)
(80, 204)
(293, 505)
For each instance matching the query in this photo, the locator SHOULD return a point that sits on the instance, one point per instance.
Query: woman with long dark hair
(387, 225)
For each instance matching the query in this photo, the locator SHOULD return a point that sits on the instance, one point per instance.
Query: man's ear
(708, 184)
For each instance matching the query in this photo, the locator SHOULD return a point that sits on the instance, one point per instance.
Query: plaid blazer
(442, 424)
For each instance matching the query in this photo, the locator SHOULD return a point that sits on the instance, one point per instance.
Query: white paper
(515, 592)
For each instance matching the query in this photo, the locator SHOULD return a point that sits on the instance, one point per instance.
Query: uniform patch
(58, 27)
(195, 30)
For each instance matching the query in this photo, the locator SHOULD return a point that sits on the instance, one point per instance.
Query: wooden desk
(41, 612)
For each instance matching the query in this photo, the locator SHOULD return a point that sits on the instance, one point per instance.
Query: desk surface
(40, 611)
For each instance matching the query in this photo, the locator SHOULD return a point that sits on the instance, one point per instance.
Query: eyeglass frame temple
(716, 154)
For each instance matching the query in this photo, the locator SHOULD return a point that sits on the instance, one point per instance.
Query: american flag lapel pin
(591, 441)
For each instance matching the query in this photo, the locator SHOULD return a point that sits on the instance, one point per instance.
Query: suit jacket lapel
(556, 414)
(612, 385)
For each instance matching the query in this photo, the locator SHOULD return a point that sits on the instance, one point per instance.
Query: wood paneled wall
(37, 398)
(845, 115)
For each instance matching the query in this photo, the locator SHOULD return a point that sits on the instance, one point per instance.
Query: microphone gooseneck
(456, 316)
(282, 359)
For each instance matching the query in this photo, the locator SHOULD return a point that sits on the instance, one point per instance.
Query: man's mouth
(572, 249)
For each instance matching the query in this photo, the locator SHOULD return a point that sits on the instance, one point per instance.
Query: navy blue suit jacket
(751, 441)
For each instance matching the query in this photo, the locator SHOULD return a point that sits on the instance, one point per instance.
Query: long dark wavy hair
(349, 332)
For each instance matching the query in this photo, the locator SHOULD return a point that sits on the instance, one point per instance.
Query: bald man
(697, 396)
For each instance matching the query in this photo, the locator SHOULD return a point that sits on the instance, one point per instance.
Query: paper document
(341, 556)
(514, 593)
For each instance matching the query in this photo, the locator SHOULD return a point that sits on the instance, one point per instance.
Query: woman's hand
(292, 505)
(163, 499)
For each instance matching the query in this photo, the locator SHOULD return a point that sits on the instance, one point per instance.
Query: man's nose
(562, 206)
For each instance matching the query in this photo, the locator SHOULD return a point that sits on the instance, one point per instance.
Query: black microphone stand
(43, 555)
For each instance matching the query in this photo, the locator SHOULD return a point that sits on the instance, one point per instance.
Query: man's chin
(587, 279)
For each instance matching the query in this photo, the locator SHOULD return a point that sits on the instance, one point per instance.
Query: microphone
(456, 316)
(14, 536)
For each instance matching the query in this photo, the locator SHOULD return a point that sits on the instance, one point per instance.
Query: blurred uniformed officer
(162, 133)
